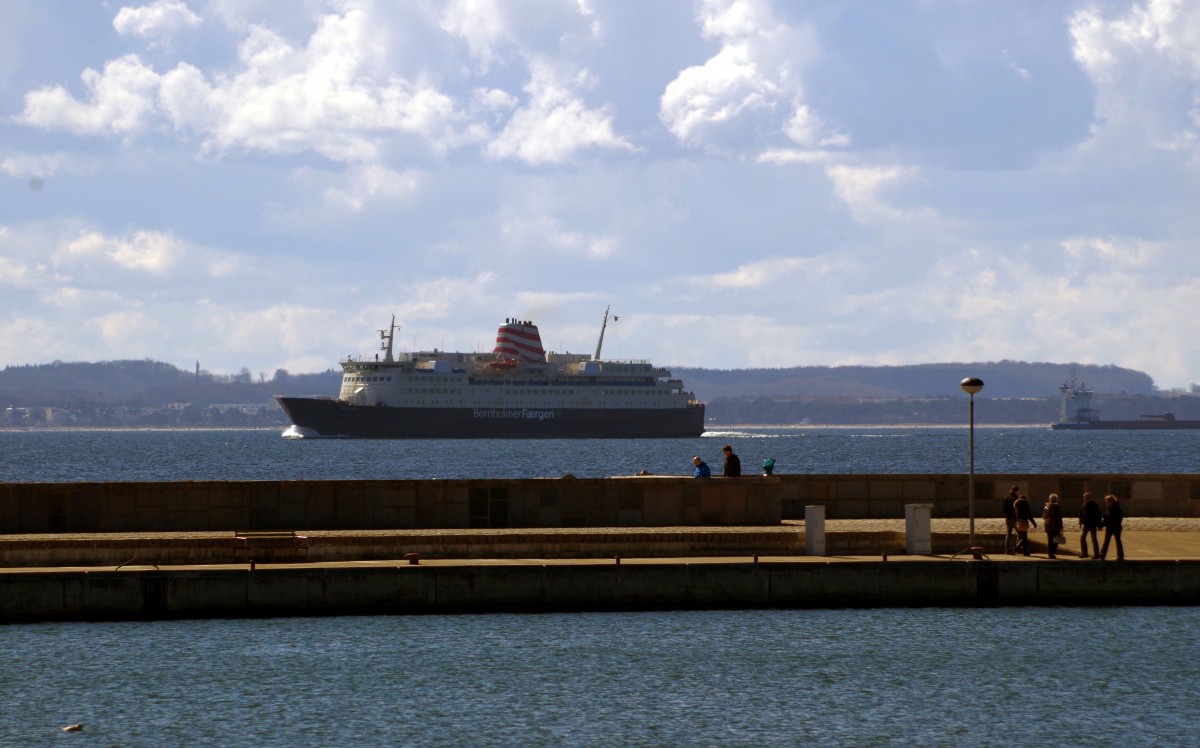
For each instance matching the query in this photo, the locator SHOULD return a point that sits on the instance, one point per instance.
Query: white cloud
(756, 275)
(556, 123)
(860, 187)
(1145, 64)
(39, 165)
(479, 23)
(335, 95)
(368, 185)
(325, 97)
(750, 94)
(121, 101)
(158, 19)
(147, 251)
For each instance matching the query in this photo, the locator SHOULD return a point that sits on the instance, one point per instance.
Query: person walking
(733, 463)
(1113, 517)
(1052, 523)
(702, 469)
(1090, 518)
(1010, 519)
(1024, 519)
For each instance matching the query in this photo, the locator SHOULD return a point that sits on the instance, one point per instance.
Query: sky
(261, 185)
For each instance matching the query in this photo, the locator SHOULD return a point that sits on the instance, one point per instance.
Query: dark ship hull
(333, 418)
(1143, 424)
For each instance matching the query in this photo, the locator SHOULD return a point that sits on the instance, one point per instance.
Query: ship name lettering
(525, 413)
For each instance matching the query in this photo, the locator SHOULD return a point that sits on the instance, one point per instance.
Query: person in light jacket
(1052, 523)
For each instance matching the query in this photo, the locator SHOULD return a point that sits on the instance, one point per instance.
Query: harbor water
(930, 677)
(896, 677)
(118, 455)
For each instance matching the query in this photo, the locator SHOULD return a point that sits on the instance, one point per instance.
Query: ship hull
(1126, 425)
(332, 418)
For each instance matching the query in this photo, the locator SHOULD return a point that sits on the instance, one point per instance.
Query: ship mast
(387, 336)
(600, 343)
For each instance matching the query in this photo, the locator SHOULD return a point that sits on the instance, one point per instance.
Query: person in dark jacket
(1090, 518)
(1010, 519)
(1024, 519)
(733, 464)
(1052, 523)
(1113, 516)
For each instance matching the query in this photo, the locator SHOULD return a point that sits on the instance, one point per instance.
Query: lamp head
(971, 385)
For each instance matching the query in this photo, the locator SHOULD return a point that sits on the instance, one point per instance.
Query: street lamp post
(971, 385)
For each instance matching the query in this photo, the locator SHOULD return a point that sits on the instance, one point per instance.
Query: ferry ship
(517, 391)
(1077, 412)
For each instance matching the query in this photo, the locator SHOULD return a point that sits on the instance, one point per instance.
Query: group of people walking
(1019, 519)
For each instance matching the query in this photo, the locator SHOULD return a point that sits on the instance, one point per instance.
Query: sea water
(116, 455)
(926, 677)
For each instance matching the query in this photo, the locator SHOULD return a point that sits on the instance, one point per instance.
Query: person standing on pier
(1010, 518)
(1052, 523)
(1024, 518)
(1090, 519)
(733, 464)
(702, 469)
(1113, 517)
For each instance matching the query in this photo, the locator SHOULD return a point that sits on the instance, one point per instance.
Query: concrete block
(727, 584)
(580, 587)
(852, 489)
(116, 593)
(878, 489)
(843, 509)
(814, 530)
(1146, 489)
(924, 491)
(917, 529)
(31, 596)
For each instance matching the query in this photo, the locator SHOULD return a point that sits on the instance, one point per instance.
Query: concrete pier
(86, 551)
(541, 586)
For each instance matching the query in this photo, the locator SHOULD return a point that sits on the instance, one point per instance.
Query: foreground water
(936, 677)
(58, 456)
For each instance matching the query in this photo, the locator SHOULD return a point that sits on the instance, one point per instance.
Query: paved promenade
(1145, 538)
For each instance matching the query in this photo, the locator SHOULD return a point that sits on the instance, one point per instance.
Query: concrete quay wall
(655, 501)
(869, 496)
(386, 504)
(403, 589)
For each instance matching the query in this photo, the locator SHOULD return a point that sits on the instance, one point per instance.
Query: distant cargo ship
(1076, 412)
(517, 391)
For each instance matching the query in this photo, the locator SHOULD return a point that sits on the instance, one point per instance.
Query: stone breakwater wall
(403, 589)
(198, 506)
(885, 496)
(653, 501)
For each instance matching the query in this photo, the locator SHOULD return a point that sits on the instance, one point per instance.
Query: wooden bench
(270, 545)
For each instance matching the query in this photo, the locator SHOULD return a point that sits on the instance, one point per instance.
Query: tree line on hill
(153, 393)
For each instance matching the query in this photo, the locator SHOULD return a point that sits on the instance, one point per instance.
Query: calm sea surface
(935, 677)
(57, 456)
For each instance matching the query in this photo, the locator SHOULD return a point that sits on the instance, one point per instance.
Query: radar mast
(387, 336)
(603, 325)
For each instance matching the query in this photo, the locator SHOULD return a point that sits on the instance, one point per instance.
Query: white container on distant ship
(517, 391)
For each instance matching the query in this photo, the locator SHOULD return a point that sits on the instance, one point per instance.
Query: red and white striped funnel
(519, 341)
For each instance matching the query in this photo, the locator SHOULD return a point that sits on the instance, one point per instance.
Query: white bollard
(918, 538)
(814, 530)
